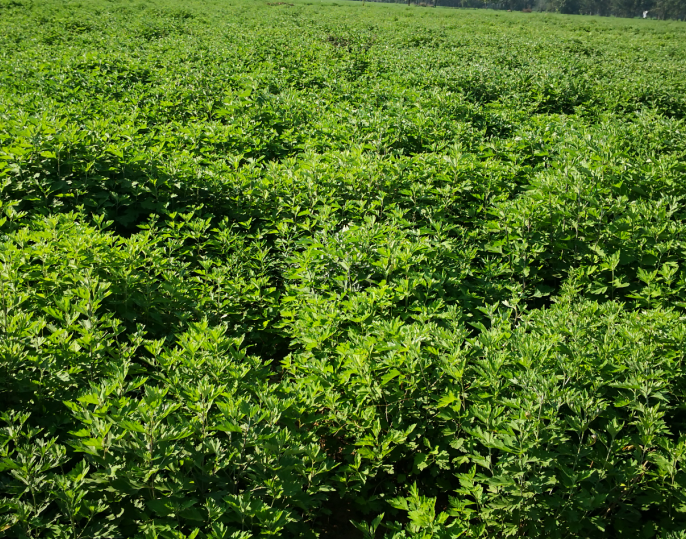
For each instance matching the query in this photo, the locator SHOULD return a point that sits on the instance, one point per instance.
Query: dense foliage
(267, 269)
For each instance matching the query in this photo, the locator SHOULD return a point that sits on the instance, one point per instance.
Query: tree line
(654, 9)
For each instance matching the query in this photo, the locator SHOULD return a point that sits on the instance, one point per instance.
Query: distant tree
(594, 7)
(560, 6)
(669, 9)
(625, 8)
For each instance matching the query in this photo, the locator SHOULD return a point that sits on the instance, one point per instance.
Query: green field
(336, 269)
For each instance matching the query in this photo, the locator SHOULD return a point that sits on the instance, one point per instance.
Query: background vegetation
(654, 9)
(267, 269)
